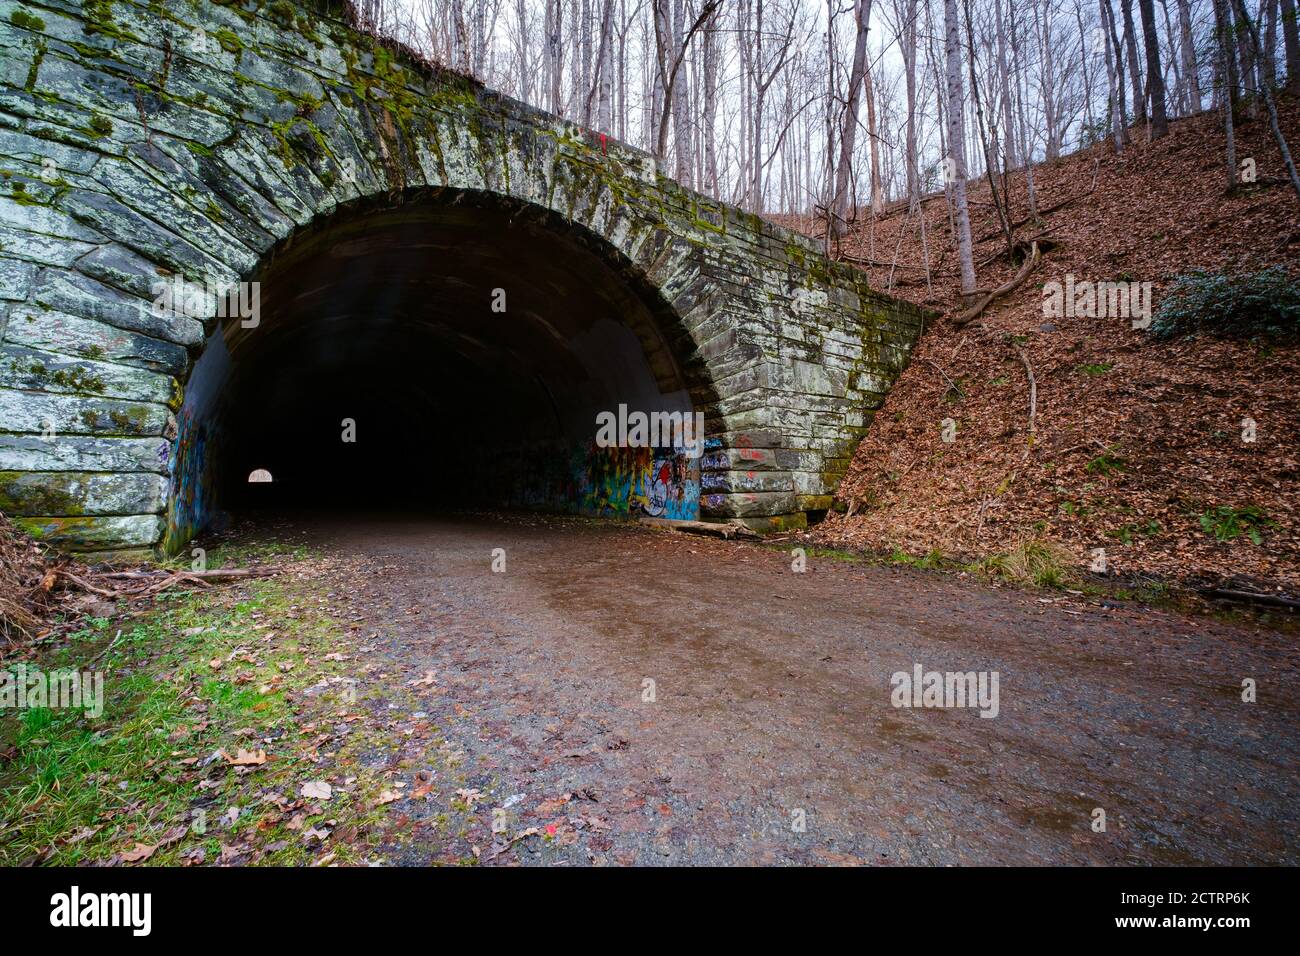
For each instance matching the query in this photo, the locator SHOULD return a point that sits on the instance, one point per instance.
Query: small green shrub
(1107, 463)
(1248, 305)
(1227, 523)
(1126, 533)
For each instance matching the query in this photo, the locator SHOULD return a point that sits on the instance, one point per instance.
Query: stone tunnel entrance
(451, 350)
(352, 182)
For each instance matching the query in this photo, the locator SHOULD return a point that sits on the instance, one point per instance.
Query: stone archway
(146, 143)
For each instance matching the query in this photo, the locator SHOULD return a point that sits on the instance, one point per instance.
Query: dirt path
(772, 695)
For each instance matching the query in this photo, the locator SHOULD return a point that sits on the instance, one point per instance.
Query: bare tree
(1252, 33)
(1291, 43)
(1228, 77)
(849, 127)
(956, 160)
(1155, 91)
(1134, 70)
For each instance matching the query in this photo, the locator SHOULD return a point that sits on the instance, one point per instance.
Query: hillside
(1138, 446)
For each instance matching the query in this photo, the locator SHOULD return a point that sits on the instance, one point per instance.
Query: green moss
(99, 20)
(44, 498)
(77, 378)
(35, 68)
(23, 197)
(27, 21)
(283, 12)
(230, 42)
(100, 125)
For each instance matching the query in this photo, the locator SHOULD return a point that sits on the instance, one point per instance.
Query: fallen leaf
(141, 852)
(317, 790)
(244, 758)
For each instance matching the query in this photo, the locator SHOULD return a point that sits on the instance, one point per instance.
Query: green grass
(934, 560)
(1037, 562)
(132, 773)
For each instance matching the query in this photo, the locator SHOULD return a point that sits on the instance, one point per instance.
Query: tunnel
(441, 351)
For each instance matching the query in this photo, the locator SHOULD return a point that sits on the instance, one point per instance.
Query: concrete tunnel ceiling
(384, 314)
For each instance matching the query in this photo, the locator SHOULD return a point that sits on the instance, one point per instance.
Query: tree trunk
(909, 64)
(605, 71)
(1134, 70)
(1155, 76)
(1188, 47)
(711, 103)
(555, 53)
(1119, 120)
(957, 146)
(1228, 75)
(849, 123)
(1291, 43)
(1004, 79)
(681, 96)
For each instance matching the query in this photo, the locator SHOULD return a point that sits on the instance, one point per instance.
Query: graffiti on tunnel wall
(601, 482)
(190, 494)
(656, 482)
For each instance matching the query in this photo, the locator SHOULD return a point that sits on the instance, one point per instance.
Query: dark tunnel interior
(463, 344)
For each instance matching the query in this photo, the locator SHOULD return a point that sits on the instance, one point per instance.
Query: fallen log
(1253, 597)
(717, 530)
(215, 575)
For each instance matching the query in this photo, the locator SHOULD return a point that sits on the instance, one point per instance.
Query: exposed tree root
(978, 308)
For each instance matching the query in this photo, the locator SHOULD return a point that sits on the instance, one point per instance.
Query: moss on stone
(27, 21)
(19, 497)
(230, 42)
(99, 20)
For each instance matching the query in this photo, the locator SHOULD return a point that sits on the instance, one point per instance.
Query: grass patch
(934, 560)
(1041, 563)
(201, 672)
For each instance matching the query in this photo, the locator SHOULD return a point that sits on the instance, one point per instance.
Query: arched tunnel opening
(446, 351)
